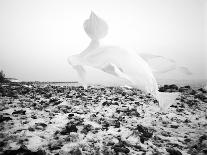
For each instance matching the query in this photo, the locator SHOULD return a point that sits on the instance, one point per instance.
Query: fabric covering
(132, 68)
(167, 64)
(121, 63)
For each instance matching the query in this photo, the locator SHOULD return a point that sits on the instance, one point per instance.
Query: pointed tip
(95, 27)
(93, 14)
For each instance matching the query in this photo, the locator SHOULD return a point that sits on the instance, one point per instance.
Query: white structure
(121, 63)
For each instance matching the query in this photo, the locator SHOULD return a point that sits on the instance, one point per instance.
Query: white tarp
(121, 63)
(123, 66)
(165, 64)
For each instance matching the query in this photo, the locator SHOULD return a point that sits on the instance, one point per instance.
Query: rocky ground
(41, 120)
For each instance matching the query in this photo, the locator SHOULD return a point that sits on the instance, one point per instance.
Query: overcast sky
(36, 37)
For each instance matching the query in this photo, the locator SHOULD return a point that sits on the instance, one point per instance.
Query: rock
(175, 126)
(172, 151)
(187, 140)
(116, 123)
(203, 137)
(187, 121)
(48, 95)
(121, 149)
(204, 151)
(145, 133)
(131, 99)
(2, 144)
(132, 112)
(4, 118)
(183, 89)
(70, 115)
(55, 145)
(105, 125)
(179, 109)
(169, 88)
(68, 129)
(116, 99)
(166, 134)
(76, 152)
(192, 92)
(201, 96)
(106, 103)
(86, 128)
(191, 102)
(40, 126)
(23, 151)
(31, 129)
(188, 87)
(199, 145)
(173, 86)
(55, 101)
(34, 117)
(162, 89)
(20, 112)
(174, 106)
(69, 96)
(124, 94)
(202, 90)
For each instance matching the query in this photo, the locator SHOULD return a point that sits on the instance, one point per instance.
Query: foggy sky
(36, 37)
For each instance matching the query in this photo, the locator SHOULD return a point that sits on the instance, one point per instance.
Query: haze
(36, 37)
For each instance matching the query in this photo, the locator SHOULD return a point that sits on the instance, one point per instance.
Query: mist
(36, 37)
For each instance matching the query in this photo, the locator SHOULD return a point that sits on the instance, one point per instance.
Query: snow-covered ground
(102, 120)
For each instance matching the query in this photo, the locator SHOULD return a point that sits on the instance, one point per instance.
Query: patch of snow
(34, 143)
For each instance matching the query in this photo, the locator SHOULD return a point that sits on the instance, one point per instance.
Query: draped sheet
(168, 64)
(112, 60)
(121, 63)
